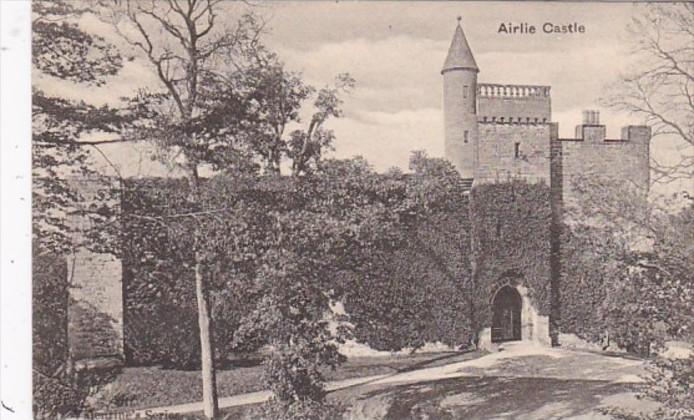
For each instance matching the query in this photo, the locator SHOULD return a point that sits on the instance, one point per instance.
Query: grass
(145, 387)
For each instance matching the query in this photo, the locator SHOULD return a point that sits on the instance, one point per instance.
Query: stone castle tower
(496, 132)
(460, 104)
(501, 132)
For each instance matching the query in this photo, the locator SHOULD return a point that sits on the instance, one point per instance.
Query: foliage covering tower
(524, 184)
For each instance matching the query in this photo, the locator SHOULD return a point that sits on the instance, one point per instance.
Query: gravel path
(447, 391)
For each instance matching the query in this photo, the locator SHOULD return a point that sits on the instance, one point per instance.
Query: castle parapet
(493, 90)
(515, 104)
(636, 134)
(592, 131)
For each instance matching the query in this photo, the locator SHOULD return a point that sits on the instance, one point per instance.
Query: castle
(493, 133)
(498, 132)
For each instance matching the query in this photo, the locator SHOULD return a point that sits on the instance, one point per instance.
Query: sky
(395, 51)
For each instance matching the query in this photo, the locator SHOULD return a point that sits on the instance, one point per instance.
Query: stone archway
(507, 306)
(522, 323)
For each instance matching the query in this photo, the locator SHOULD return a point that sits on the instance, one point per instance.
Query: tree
(338, 218)
(63, 51)
(640, 253)
(644, 258)
(222, 108)
(280, 95)
(661, 88)
(195, 118)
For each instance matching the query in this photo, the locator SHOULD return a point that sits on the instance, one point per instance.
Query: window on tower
(516, 150)
(465, 136)
(464, 91)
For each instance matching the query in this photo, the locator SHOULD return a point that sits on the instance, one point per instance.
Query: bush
(54, 398)
(168, 337)
(670, 384)
(49, 308)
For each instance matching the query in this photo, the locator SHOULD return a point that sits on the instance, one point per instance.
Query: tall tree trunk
(210, 403)
(209, 381)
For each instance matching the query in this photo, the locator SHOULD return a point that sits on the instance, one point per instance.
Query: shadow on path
(443, 360)
(489, 397)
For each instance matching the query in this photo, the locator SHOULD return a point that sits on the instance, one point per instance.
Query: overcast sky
(395, 52)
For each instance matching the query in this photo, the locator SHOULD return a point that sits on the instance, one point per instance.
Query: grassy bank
(143, 387)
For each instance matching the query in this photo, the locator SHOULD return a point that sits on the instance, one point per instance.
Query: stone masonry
(515, 138)
(95, 309)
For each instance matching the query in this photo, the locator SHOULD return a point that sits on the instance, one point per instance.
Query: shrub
(54, 398)
(49, 308)
(668, 383)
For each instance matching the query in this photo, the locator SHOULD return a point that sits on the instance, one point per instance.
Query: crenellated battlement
(494, 90)
(513, 120)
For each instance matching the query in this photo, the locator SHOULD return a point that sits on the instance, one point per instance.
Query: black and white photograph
(324, 210)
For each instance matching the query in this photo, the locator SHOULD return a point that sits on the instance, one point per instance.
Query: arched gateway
(506, 315)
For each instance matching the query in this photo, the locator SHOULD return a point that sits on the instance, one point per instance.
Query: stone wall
(95, 312)
(498, 160)
(625, 159)
(518, 104)
(460, 120)
(95, 315)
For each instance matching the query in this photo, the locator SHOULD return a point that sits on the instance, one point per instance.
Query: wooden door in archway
(506, 315)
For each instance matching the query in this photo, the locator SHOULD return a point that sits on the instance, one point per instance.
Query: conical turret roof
(459, 53)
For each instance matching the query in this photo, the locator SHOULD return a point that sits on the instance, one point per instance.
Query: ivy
(415, 286)
(511, 230)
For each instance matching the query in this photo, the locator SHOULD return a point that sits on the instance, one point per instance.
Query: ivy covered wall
(420, 293)
(436, 286)
(511, 234)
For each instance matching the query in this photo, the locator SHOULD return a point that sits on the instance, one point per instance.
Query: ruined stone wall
(498, 160)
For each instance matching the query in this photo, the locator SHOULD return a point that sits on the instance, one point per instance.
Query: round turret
(460, 105)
